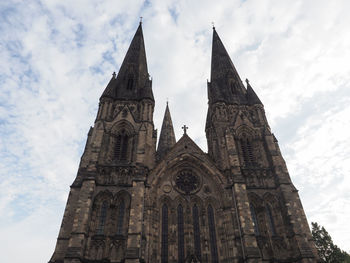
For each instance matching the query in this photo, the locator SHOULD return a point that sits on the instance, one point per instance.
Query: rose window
(187, 182)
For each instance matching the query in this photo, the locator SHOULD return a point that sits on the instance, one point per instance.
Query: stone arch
(279, 241)
(273, 210)
(163, 175)
(246, 145)
(117, 251)
(263, 238)
(196, 200)
(165, 206)
(256, 209)
(122, 141)
(179, 199)
(122, 202)
(201, 165)
(101, 198)
(123, 125)
(165, 199)
(244, 131)
(97, 249)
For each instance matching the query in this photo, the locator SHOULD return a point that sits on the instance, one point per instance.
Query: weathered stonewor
(131, 203)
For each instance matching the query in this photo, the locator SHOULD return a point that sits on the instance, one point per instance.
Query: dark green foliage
(327, 250)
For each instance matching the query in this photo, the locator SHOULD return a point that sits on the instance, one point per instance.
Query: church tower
(271, 220)
(132, 203)
(104, 212)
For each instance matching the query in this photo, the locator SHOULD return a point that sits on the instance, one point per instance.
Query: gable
(188, 172)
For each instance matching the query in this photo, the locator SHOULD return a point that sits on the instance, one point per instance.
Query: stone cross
(185, 128)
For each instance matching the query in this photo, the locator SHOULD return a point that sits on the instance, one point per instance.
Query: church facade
(133, 202)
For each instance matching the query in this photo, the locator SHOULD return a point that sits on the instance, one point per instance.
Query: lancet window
(164, 249)
(180, 230)
(255, 221)
(102, 218)
(247, 151)
(212, 235)
(130, 83)
(120, 218)
(270, 220)
(196, 232)
(121, 146)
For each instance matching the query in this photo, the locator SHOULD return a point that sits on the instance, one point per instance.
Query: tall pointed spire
(132, 82)
(225, 84)
(167, 136)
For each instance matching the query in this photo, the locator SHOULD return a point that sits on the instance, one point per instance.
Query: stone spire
(225, 84)
(251, 95)
(167, 136)
(133, 81)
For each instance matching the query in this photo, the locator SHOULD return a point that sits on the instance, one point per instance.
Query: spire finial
(114, 75)
(185, 129)
(141, 19)
(167, 101)
(213, 25)
(247, 81)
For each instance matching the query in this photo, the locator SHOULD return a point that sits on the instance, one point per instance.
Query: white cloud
(57, 56)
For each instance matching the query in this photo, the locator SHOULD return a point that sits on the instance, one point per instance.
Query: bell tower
(104, 211)
(132, 203)
(239, 138)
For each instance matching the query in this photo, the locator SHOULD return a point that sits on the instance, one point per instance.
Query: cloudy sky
(57, 56)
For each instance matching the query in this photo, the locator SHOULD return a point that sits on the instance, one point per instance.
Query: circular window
(186, 181)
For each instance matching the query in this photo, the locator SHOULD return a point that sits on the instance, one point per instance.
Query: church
(133, 201)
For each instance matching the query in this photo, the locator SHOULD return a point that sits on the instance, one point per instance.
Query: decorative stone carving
(167, 188)
(187, 182)
(116, 176)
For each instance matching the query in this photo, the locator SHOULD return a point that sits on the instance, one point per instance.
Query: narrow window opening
(180, 230)
(124, 149)
(244, 151)
(250, 151)
(247, 151)
(130, 83)
(196, 231)
(255, 221)
(271, 221)
(102, 218)
(212, 235)
(118, 147)
(121, 147)
(120, 221)
(164, 250)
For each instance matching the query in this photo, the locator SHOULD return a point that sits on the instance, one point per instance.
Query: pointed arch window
(102, 218)
(255, 221)
(120, 219)
(130, 83)
(180, 231)
(247, 151)
(270, 220)
(164, 249)
(121, 146)
(212, 235)
(196, 232)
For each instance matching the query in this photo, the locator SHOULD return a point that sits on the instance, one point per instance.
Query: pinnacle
(167, 136)
(251, 95)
